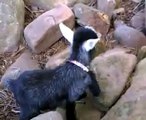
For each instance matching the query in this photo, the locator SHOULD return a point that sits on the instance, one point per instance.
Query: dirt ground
(8, 107)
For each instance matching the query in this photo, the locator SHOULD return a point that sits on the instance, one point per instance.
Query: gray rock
(112, 70)
(118, 11)
(132, 105)
(49, 4)
(136, 1)
(53, 115)
(141, 53)
(11, 24)
(107, 6)
(145, 15)
(92, 17)
(23, 63)
(62, 112)
(58, 59)
(44, 30)
(138, 20)
(128, 36)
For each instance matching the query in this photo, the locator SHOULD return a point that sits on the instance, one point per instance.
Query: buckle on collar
(79, 65)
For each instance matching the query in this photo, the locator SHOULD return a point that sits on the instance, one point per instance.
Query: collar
(79, 65)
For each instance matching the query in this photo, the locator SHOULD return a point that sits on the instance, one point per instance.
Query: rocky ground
(120, 77)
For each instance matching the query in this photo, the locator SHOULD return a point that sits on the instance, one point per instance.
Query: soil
(8, 107)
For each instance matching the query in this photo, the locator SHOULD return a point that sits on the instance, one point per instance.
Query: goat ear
(66, 32)
(90, 44)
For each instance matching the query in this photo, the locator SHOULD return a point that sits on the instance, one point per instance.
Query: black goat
(47, 89)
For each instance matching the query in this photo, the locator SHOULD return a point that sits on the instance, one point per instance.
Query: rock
(58, 59)
(138, 20)
(23, 63)
(118, 3)
(136, 1)
(112, 70)
(87, 110)
(89, 16)
(132, 105)
(53, 115)
(44, 30)
(49, 4)
(118, 11)
(62, 112)
(128, 36)
(107, 6)
(141, 53)
(145, 14)
(11, 24)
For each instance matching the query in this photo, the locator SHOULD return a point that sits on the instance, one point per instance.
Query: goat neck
(80, 55)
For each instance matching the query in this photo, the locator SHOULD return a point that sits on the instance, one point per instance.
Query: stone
(58, 59)
(11, 24)
(107, 6)
(118, 11)
(118, 3)
(44, 30)
(87, 110)
(62, 111)
(50, 4)
(138, 20)
(132, 105)
(112, 70)
(23, 63)
(92, 17)
(145, 14)
(137, 1)
(141, 53)
(52, 115)
(128, 36)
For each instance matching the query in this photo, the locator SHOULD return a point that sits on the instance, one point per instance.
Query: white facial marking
(91, 28)
(66, 32)
(90, 44)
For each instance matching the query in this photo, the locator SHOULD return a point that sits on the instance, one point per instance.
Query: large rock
(92, 17)
(138, 20)
(132, 105)
(23, 63)
(128, 36)
(11, 24)
(58, 59)
(87, 110)
(49, 4)
(141, 53)
(44, 30)
(112, 70)
(53, 115)
(137, 1)
(107, 6)
(145, 13)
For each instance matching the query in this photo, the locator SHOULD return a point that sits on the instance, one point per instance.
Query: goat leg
(70, 111)
(94, 87)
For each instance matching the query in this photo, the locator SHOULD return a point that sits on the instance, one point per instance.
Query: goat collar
(79, 65)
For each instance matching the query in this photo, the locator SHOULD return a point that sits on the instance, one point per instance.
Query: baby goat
(38, 90)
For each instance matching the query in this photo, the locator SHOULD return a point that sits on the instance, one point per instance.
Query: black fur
(47, 89)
